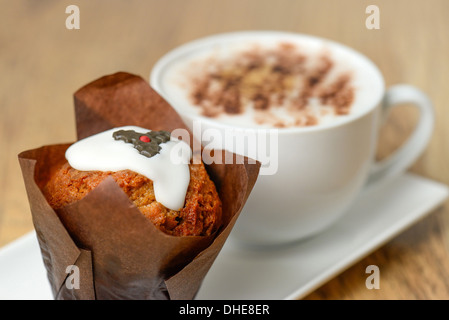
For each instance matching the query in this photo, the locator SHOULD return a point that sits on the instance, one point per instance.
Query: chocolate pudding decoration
(147, 144)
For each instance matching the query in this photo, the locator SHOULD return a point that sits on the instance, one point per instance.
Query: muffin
(100, 228)
(200, 216)
(199, 213)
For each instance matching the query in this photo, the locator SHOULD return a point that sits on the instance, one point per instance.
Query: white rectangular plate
(288, 272)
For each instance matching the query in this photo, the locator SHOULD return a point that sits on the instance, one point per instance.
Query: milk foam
(365, 78)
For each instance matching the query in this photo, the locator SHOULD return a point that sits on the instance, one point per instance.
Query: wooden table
(42, 63)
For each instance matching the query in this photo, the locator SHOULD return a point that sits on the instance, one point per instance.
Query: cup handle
(407, 154)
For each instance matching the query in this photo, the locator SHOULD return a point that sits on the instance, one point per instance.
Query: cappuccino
(269, 82)
(323, 100)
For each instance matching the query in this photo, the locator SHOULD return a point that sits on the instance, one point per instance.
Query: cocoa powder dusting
(267, 79)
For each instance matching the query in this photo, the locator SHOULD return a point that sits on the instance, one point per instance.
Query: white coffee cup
(321, 169)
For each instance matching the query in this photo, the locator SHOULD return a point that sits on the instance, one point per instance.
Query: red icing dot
(144, 139)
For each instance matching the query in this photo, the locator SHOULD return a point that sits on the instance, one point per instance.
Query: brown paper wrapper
(119, 253)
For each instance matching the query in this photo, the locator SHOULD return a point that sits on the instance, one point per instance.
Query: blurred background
(42, 64)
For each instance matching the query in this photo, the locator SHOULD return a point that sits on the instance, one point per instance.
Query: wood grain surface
(42, 64)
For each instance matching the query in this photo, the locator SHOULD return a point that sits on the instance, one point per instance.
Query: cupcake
(115, 219)
(178, 198)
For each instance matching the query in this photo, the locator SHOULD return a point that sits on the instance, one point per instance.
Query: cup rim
(197, 44)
